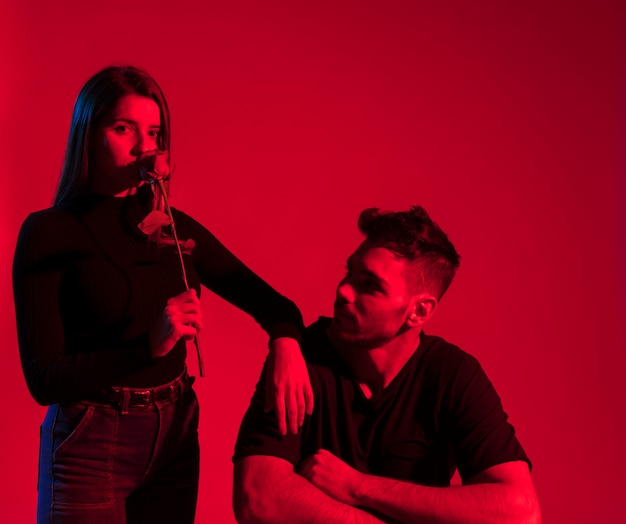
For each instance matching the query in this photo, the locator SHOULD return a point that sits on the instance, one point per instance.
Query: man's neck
(374, 368)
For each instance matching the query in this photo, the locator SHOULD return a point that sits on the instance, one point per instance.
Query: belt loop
(125, 400)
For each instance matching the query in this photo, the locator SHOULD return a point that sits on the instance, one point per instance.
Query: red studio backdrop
(505, 120)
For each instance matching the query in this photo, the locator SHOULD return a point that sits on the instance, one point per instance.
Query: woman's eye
(121, 129)
(153, 134)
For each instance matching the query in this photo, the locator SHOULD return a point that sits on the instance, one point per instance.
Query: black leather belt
(134, 398)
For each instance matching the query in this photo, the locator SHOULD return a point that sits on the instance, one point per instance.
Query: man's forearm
(501, 493)
(511, 499)
(268, 490)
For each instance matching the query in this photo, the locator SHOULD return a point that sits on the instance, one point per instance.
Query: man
(396, 411)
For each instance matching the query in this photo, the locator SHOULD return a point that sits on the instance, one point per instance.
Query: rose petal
(153, 165)
(187, 246)
(153, 221)
(162, 164)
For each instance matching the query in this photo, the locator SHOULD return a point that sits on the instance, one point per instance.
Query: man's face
(373, 300)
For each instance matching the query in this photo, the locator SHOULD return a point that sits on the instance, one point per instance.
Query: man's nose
(345, 292)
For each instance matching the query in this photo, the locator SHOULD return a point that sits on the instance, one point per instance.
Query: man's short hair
(414, 236)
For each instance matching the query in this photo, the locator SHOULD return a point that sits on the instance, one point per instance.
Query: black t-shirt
(438, 414)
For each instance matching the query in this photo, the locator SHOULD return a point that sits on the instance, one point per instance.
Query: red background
(504, 119)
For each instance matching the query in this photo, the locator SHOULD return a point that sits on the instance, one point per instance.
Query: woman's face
(132, 128)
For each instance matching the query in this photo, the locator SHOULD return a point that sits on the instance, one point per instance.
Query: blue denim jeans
(97, 465)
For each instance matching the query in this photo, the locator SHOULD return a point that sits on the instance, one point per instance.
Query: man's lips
(342, 312)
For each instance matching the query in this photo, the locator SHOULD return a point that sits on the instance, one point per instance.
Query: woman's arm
(86, 317)
(53, 375)
(223, 273)
(288, 385)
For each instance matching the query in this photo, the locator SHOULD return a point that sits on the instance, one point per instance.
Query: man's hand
(332, 476)
(500, 493)
(288, 388)
(266, 489)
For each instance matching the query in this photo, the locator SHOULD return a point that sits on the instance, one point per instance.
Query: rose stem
(182, 265)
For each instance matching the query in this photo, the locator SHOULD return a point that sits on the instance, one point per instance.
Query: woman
(103, 316)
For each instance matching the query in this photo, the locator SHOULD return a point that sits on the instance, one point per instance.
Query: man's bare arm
(268, 490)
(499, 494)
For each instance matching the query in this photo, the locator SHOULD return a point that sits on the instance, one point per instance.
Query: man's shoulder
(439, 355)
(322, 358)
(316, 346)
(318, 327)
(439, 347)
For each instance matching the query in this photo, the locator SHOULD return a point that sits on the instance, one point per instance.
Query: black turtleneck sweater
(89, 285)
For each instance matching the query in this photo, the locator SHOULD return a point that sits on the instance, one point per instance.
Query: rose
(153, 165)
(154, 168)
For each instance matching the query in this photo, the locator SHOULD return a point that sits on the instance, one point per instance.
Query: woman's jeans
(100, 465)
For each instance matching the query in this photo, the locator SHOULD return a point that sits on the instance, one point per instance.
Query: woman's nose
(142, 145)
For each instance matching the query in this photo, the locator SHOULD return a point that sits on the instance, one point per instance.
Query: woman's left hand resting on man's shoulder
(288, 386)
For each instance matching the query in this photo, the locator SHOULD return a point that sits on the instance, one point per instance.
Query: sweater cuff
(284, 329)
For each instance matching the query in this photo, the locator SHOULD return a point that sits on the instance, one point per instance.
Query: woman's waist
(125, 397)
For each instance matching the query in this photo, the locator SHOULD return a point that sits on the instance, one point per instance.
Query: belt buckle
(176, 391)
(142, 399)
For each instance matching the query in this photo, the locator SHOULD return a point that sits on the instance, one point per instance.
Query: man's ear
(421, 309)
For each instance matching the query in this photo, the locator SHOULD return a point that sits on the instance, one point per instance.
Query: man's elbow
(251, 508)
(250, 504)
(243, 508)
(527, 509)
(534, 513)
(247, 508)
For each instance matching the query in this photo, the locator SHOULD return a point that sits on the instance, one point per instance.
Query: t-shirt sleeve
(481, 434)
(258, 433)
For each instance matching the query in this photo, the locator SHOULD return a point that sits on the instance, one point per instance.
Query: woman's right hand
(181, 318)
